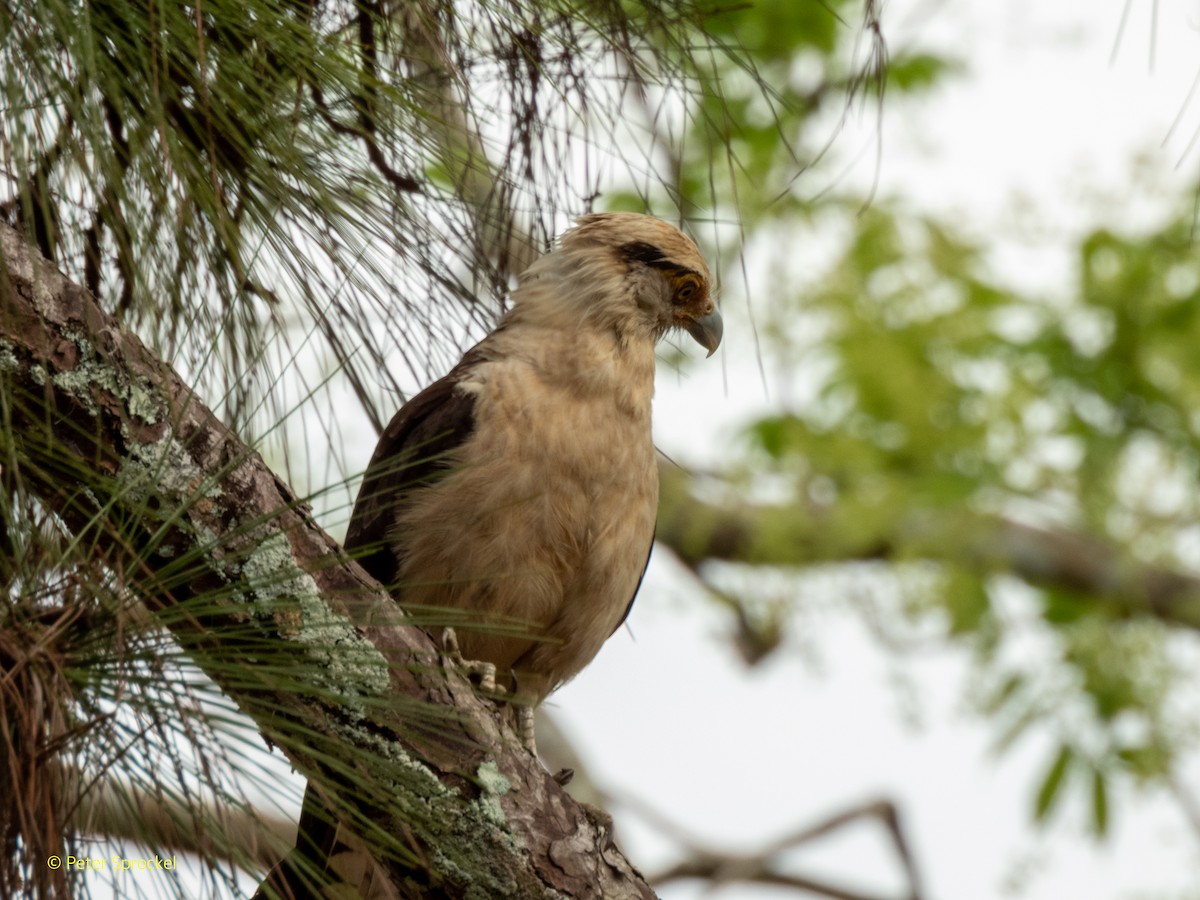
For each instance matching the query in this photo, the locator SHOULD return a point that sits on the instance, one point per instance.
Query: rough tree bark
(86, 394)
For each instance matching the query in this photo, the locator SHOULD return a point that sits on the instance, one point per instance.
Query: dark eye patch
(640, 251)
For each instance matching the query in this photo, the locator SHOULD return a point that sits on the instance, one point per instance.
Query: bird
(516, 497)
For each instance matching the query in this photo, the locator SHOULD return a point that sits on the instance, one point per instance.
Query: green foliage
(918, 71)
(1049, 790)
(943, 401)
(776, 32)
(944, 397)
(763, 112)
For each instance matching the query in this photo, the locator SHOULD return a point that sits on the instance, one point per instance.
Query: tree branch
(769, 867)
(114, 811)
(791, 535)
(105, 432)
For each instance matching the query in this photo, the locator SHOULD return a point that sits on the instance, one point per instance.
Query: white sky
(1036, 141)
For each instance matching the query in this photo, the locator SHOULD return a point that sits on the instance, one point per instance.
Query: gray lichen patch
(349, 663)
(165, 479)
(162, 479)
(465, 839)
(468, 878)
(492, 780)
(164, 469)
(494, 785)
(143, 402)
(414, 780)
(140, 398)
(86, 373)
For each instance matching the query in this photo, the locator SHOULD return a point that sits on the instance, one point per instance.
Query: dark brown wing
(641, 578)
(412, 452)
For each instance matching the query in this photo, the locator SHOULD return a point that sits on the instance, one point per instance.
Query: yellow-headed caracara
(522, 488)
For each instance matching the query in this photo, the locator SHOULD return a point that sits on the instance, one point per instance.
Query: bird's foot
(525, 727)
(485, 672)
(471, 668)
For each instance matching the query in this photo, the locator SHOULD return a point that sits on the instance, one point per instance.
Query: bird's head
(637, 274)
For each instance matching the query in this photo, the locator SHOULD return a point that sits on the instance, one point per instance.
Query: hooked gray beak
(707, 330)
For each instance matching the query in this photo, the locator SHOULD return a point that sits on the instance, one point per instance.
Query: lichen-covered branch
(227, 558)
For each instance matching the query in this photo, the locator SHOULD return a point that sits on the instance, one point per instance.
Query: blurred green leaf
(1146, 761)
(1050, 789)
(1099, 803)
(1062, 607)
(919, 71)
(967, 602)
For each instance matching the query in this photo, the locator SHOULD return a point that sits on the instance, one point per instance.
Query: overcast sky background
(1046, 134)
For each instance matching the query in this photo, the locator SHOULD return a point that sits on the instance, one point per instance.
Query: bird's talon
(470, 668)
(487, 679)
(525, 728)
(450, 646)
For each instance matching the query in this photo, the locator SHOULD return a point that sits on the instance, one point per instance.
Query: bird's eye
(686, 289)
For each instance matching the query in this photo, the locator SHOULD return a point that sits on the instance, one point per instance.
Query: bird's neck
(586, 359)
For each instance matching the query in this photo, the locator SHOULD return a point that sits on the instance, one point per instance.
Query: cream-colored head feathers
(621, 228)
(630, 274)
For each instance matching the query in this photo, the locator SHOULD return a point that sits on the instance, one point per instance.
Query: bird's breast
(545, 517)
(578, 465)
